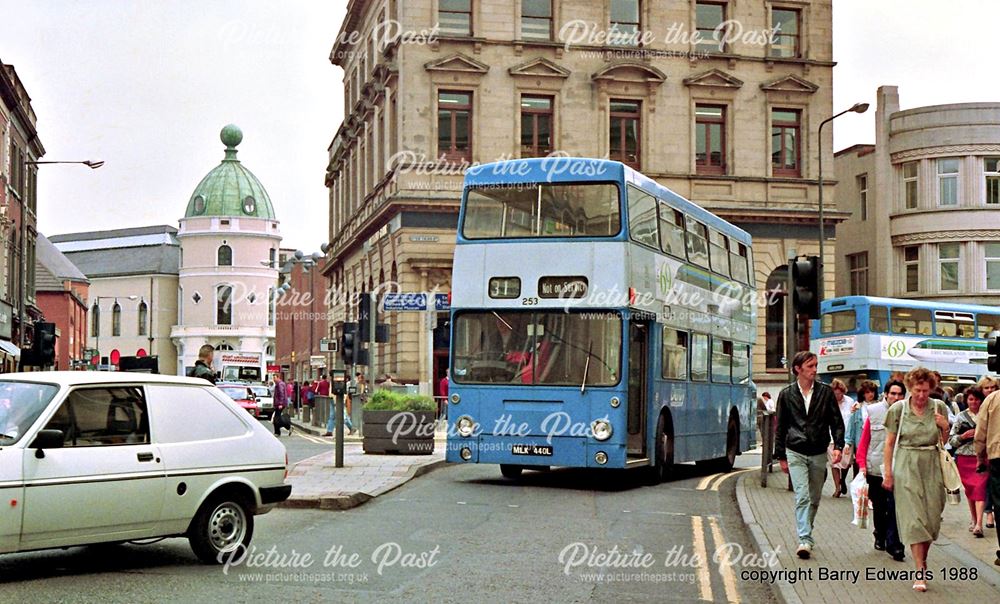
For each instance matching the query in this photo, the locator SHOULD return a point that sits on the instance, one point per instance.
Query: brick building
(301, 319)
(61, 290)
(19, 148)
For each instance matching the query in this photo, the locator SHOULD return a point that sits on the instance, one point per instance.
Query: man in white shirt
(807, 418)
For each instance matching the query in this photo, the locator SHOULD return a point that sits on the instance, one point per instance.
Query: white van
(94, 457)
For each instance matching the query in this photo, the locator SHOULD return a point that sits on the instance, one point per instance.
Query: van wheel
(511, 471)
(664, 467)
(222, 529)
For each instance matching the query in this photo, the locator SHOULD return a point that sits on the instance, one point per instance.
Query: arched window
(224, 347)
(225, 255)
(95, 320)
(777, 285)
(143, 318)
(224, 305)
(116, 320)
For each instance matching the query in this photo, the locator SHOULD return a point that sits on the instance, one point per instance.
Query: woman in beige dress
(913, 474)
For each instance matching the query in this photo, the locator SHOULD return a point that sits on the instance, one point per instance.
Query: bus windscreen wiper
(586, 367)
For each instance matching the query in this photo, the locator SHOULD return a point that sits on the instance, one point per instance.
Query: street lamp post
(23, 281)
(856, 108)
(97, 334)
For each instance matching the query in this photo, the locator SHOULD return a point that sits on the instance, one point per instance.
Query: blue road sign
(441, 302)
(405, 301)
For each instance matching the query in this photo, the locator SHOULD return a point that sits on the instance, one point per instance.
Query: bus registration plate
(545, 450)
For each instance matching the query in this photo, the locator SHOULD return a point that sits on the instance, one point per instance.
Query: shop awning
(10, 348)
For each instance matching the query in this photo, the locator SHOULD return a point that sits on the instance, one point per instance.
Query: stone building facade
(132, 297)
(432, 87)
(924, 203)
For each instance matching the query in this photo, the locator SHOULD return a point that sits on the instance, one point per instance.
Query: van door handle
(144, 456)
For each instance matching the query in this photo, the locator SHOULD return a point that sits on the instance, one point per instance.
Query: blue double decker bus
(862, 337)
(598, 320)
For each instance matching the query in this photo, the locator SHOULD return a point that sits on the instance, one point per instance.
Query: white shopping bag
(859, 495)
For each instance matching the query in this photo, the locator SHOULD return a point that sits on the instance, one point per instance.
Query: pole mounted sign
(404, 301)
(414, 301)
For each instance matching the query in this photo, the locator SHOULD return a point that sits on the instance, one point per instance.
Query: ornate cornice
(943, 150)
(933, 236)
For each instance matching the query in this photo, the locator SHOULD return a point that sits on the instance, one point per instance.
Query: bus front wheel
(664, 449)
(510, 471)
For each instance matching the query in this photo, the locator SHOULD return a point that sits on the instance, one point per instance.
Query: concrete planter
(398, 432)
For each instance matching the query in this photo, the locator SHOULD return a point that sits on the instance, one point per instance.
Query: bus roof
(583, 169)
(843, 301)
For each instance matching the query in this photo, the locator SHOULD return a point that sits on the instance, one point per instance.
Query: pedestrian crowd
(903, 447)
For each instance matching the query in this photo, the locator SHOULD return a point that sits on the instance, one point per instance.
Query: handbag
(949, 473)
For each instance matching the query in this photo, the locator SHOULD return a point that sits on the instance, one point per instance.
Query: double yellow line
(712, 483)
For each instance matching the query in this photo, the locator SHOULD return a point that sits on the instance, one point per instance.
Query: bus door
(638, 365)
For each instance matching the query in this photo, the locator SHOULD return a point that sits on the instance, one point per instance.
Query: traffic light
(349, 343)
(993, 350)
(364, 316)
(806, 278)
(45, 344)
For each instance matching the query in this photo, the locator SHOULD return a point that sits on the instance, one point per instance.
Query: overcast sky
(146, 87)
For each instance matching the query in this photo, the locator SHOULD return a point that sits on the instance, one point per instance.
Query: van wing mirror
(48, 439)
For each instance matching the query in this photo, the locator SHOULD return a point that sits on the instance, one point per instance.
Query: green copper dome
(230, 189)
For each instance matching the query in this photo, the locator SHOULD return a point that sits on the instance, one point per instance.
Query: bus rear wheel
(726, 463)
(664, 462)
(511, 471)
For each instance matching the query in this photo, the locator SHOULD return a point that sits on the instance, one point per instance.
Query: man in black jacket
(807, 417)
(203, 366)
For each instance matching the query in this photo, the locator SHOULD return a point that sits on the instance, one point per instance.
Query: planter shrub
(401, 424)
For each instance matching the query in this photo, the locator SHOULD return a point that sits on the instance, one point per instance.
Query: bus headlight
(466, 453)
(465, 426)
(455, 398)
(601, 429)
(601, 457)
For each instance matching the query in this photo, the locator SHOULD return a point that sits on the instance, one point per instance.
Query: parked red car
(243, 395)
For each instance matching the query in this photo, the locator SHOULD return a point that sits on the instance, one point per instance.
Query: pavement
(967, 562)
(318, 483)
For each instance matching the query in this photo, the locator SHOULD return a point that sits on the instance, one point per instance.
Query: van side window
(192, 413)
(91, 417)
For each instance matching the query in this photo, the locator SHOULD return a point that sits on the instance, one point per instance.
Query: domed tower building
(229, 240)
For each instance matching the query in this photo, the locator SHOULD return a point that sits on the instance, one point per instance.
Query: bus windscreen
(552, 348)
(542, 210)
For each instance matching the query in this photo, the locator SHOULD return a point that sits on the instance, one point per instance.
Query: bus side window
(738, 262)
(987, 323)
(878, 319)
(699, 357)
(722, 355)
(642, 220)
(675, 349)
(672, 231)
(697, 243)
(741, 363)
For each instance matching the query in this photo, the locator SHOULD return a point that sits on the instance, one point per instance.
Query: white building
(228, 268)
